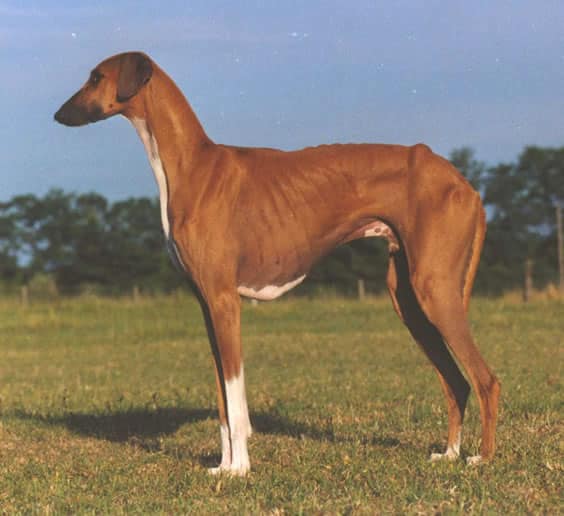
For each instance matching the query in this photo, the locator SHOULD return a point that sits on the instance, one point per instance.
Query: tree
(138, 246)
(86, 251)
(9, 270)
(464, 160)
(82, 239)
(521, 198)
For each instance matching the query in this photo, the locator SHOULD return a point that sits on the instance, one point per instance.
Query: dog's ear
(135, 70)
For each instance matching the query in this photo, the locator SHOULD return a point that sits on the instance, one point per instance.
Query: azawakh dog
(252, 221)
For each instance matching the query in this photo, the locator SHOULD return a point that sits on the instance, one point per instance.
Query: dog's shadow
(142, 425)
(122, 426)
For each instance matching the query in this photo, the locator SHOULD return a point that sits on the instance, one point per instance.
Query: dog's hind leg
(455, 387)
(440, 274)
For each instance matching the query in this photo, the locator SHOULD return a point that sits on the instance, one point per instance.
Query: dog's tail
(477, 245)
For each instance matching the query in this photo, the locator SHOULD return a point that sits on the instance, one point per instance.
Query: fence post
(25, 295)
(528, 285)
(361, 290)
(135, 293)
(560, 243)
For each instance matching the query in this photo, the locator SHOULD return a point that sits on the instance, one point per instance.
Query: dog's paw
(229, 470)
(449, 455)
(474, 460)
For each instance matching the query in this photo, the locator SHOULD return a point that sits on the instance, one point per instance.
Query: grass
(108, 406)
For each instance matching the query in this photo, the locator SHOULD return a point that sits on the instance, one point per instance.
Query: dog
(252, 221)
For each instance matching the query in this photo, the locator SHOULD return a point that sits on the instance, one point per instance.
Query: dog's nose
(66, 114)
(59, 116)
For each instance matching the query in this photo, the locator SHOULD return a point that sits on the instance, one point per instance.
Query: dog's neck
(172, 135)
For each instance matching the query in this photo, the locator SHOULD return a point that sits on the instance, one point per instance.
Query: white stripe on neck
(152, 150)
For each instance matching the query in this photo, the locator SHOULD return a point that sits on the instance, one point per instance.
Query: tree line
(82, 241)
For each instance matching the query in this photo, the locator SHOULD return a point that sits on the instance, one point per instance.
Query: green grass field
(109, 406)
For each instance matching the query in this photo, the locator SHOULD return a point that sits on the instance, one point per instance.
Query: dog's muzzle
(75, 115)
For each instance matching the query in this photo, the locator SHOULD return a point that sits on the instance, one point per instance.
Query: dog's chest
(152, 150)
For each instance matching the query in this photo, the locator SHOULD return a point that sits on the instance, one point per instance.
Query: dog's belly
(274, 274)
(267, 273)
(269, 292)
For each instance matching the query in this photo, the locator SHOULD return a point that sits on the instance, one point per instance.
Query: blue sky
(284, 74)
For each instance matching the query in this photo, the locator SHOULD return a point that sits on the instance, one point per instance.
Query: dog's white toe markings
(452, 452)
(474, 460)
(435, 457)
(227, 471)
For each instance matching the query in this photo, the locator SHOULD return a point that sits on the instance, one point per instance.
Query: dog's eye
(95, 78)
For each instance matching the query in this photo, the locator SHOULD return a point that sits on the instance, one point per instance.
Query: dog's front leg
(222, 313)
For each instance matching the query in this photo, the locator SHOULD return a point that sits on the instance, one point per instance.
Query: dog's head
(109, 89)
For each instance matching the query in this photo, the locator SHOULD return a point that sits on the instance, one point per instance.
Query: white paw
(448, 455)
(239, 472)
(474, 460)
(229, 470)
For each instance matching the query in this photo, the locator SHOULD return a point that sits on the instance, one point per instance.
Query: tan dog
(251, 222)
